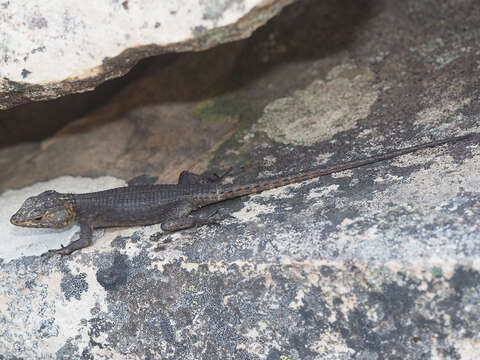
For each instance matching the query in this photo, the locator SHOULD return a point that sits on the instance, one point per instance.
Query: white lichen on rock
(323, 109)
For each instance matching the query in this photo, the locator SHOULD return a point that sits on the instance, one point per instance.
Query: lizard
(171, 205)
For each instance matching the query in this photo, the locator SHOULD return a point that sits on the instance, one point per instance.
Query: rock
(57, 48)
(379, 262)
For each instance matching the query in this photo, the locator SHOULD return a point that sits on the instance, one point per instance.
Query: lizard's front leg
(85, 240)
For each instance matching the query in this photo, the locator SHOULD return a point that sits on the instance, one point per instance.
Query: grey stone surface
(381, 262)
(55, 48)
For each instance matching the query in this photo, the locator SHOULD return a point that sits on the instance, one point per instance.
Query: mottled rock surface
(380, 262)
(55, 48)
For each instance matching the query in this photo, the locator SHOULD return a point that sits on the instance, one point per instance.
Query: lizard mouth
(17, 220)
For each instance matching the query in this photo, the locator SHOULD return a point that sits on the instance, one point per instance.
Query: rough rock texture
(50, 49)
(381, 262)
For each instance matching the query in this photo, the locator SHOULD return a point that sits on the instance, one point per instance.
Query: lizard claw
(62, 251)
(51, 252)
(214, 177)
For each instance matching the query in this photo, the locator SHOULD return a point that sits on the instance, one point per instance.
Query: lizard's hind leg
(178, 217)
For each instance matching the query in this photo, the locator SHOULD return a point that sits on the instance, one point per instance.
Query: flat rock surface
(377, 262)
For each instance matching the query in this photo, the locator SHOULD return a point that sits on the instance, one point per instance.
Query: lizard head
(49, 209)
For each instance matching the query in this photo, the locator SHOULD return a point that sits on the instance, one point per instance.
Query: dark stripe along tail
(232, 191)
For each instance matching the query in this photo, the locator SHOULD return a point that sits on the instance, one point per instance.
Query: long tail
(235, 190)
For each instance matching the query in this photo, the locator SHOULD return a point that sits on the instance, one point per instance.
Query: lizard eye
(38, 218)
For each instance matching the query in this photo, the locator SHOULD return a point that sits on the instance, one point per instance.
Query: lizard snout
(14, 219)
